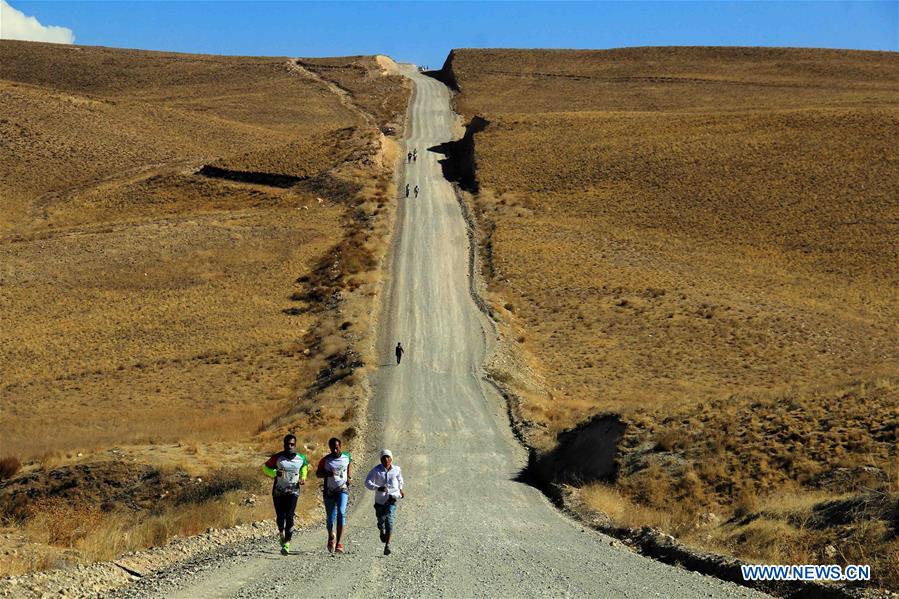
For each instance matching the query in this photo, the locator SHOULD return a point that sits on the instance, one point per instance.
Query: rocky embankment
(101, 579)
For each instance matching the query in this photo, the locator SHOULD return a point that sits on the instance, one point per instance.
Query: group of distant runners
(289, 469)
(412, 156)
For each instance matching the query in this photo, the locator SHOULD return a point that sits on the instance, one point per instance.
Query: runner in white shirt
(386, 480)
(336, 469)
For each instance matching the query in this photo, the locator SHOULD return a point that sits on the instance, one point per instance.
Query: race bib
(290, 477)
(288, 480)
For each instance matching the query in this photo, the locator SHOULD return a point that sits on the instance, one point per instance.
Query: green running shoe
(285, 548)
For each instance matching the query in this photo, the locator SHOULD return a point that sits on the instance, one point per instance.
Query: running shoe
(330, 545)
(285, 548)
(387, 550)
(339, 548)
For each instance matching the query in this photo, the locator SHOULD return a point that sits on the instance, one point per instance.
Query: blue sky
(423, 32)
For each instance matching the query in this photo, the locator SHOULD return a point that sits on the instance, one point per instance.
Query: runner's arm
(370, 483)
(270, 467)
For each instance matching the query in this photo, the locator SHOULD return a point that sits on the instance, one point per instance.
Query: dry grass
(704, 241)
(143, 304)
(148, 331)
(607, 500)
(674, 79)
(787, 527)
(800, 534)
(68, 541)
(76, 116)
(61, 532)
(379, 94)
(836, 438)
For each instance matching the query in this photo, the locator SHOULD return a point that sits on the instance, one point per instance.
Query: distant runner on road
(399, 351)
(416, 191)
(386, 480)
(407, 190)
(409, 156)
(414, 154)
(335, 468)
(289, 469)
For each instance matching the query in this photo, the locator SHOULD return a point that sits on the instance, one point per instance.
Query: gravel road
(466, 527)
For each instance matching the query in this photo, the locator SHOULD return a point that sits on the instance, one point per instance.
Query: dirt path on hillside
(344, 95)
(466, 528)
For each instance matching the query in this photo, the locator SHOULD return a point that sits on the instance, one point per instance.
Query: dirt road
(466, 528)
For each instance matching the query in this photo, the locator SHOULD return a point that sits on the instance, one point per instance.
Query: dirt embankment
(666, 239)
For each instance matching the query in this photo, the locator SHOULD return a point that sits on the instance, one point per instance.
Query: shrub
(669, 439)
(9, 466)
(58, 522)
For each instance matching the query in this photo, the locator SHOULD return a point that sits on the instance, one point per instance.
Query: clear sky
(423, 32)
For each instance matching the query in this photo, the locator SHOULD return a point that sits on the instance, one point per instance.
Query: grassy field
(146, 305)
(704, 242)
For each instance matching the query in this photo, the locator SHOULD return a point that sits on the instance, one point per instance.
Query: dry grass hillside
(703, 241)
(355, 76)
(162, 220)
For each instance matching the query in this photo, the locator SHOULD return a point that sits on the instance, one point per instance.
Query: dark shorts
(385, 514)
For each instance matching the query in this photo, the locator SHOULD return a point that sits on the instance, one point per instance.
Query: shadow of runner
(278, 553)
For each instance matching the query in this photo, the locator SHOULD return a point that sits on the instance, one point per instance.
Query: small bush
(668, 440)
(58, 522)
(51, 460)
(9, 467)
(747, 501)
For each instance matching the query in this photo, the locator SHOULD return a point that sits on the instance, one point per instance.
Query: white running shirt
(379, 476)
(336, 469)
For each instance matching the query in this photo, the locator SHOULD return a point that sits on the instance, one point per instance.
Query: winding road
(466, 527)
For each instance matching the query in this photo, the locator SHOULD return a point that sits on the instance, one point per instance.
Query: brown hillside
(146, 300)
(371, 92)
(75, 115)
(703, 241)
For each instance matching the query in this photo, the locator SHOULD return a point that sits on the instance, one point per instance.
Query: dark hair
(290, 437)
(333, 441)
